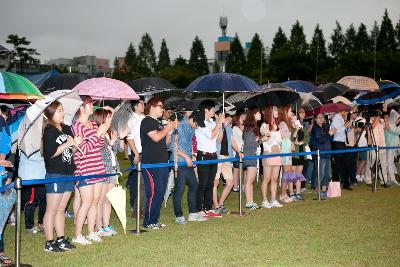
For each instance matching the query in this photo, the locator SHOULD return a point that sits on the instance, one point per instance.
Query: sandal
(5, 261)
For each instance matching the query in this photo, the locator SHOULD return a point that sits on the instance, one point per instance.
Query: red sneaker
(213, 214)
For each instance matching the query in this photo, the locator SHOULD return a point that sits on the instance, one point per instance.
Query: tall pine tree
(318, 52)
(374, 36)
(336, 47)
(255, 57)
(163, 57)
(198, 60)
(297, 41)
(350, 39)
(236, 61)
(362, 39)
(386, 38)
(146, 60)
(279, 42)
(131, 59)
(398, 34)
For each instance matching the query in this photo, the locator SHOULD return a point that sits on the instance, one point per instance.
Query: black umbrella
(192, 104)
(150, 85)
(4, 51)
(173, 102)
(274, 97)
(63, 81)
(331, 90)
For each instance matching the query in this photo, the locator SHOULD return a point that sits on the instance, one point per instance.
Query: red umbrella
(329, 108)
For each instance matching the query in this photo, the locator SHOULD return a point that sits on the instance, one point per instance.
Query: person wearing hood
(392, 132)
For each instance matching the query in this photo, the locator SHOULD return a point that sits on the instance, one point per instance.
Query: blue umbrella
(387, 90)
(301, 86)
(223, 82)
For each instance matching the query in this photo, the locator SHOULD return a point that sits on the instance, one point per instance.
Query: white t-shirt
(238, 137)
(274, 140)
(134, 131)
(203, 137)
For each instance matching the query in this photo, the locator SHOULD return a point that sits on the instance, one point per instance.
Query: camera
(358, 123)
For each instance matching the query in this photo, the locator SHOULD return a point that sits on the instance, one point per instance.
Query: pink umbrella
(106, 89)
(329, 108)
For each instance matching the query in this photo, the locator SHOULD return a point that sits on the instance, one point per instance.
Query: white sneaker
(265, 204)
(103, 232)
(94, 237)
(275, 204)
(81, 240)
(197, 217)
(358, 178)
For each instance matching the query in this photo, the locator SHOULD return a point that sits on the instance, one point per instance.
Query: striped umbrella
(14, 86)
(359, 83)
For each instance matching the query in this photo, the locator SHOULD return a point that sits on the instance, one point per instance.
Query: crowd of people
(154, 135)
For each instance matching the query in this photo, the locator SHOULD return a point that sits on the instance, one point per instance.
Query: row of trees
(351, 51)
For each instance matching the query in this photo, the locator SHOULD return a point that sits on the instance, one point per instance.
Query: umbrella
(121, 116)
(173, 102)
(191, 105)
(308, 101)
(30, 130)
(106, 89)
(392, 88)
(331, 90)
(13, 86)
(342, 99)
(331, 108)
(63, 81)
(273, 97)
(223, 82)
(359, 83)
(369, 98)
(301, 86)
(4, 51)
(117, 198)
(151, 85)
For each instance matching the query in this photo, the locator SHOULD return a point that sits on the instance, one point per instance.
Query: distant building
(84, 64)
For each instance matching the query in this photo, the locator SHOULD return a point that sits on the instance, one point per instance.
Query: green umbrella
(14, 86)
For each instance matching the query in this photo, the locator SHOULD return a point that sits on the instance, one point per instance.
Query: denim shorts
(60, 187)
(362, 155)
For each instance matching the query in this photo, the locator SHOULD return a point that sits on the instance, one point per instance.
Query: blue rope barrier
(180, 164)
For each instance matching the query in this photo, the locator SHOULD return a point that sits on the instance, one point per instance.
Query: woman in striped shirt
(91, 164)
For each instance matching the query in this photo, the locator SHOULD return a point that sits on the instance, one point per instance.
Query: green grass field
(359, 229)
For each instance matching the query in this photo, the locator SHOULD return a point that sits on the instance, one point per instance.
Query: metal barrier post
(318, 175)
(376, 169)
(139, 173)
(18, 188)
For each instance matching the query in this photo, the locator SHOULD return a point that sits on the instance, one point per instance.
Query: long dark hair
(268, 115)
(250, 124)
(49, 113)
(283, 116)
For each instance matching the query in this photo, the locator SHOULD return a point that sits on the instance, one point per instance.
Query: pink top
(92, 162)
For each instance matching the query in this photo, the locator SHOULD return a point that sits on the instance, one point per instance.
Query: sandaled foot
(5, 261)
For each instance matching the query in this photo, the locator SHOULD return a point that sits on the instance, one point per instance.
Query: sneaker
(304, 190)
(110, 229)
(275, 204)
(11, 219)
(64, 244)
(286, 199)
(161, 225)
(81, 240)
(33, 230)
(52, 247)
(252, 206)
(395, 183)
(293, 197)
(103, 232)
(265, 204)
(213, 214)
(68, 214)
(235, 189)
(202, 213)
(180, 220)
(94, 237)
(299, 196)
(152, 226)
(197, 217)
(221, 210)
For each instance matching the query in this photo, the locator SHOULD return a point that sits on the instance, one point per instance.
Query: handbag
(307, 149)
(334, 189)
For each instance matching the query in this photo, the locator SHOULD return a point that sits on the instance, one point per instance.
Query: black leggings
(206, 175)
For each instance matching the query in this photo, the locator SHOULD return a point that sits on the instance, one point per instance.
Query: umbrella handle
(82, 155)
